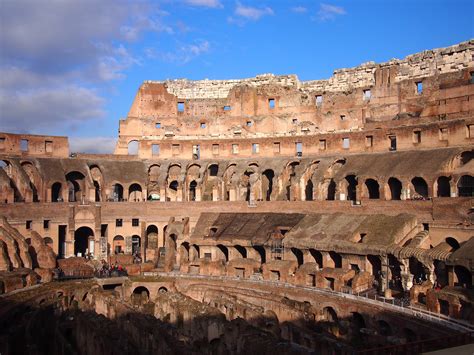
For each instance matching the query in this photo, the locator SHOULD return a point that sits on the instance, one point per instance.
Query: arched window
(133, 147)
(420, 186)
(395, 186)
(135, 193)
(444, 188)
(373, 188)
(466, 186)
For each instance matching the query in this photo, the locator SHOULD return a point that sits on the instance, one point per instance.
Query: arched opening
(97, 179)
(441, 273)
(75, 182)
(463, 276)
(351, 187)
(453, 243)
(261, 251)
(117, 194)
(242, 251)
(33, 176)
(420, 186)
(373, 188)
(184, 253)
(376, 265)
(395, 186)
(331, 191)
(298, 255)
(384, 328)
(136, 243)
(213, 169)
(267, 183)
(336, 258)
(162, 290)
(224, 252)
(56, 192)
(444, 187)
(330, 315)
(192, 190)
(118, 244)
(173, 189)
(135, 193)
(417, 269)
(141, 291)
(133, 147)
(309, 191)
(466, 186)
(152, 237)
(318, 257)
(97, 191)
(194, 252)
(357, 323)
(82, 238)
(246, 180)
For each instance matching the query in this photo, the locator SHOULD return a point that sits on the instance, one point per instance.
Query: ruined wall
(33, 145)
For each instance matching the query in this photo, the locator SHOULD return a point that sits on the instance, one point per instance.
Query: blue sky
(73, 67)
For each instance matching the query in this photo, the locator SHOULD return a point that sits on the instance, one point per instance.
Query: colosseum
(263, 215)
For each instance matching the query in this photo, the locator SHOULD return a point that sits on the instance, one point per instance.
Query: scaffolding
(277, 247)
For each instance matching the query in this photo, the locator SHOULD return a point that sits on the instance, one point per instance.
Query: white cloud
(252, 13)
(329, 12)
(205, 3)
(93, 145)
(183, 54)
(299, 9)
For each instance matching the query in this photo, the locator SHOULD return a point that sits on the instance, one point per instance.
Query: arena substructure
(270, 214)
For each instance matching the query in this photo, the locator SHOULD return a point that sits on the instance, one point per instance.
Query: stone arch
(453, 243)
(117, 192)
(34, 178)
(331, 195)
(309, 190)
(56, 192)
(443, 186)
(336, 258)
(261, 251)
(373, 188)
(135, 193)
(213, 169)
(395, 187)
(318, 257)
(192, 190)
(152, 234)
(141, 291)
(118, 244)
(351, 187)
(463, 276)
(184, 252)
(133, 147)
(82, 241)
(298, 254)
(466, 186)
(224, 252)
(76, 185)
(267, 183)
(384, 328)
(241, 250)
(98, 181)
(420, 186)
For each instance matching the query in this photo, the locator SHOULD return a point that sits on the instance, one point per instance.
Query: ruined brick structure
(360, 183)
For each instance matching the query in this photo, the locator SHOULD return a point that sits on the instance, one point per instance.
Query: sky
(72, 68)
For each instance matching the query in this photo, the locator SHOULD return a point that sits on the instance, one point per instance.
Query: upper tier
(420, 89)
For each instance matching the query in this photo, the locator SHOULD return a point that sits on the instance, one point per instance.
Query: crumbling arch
(420, 186)
(141, 291)
(224, 252)
(298, 255)
(395, 187)
(34, 178)
(192, 190)
(373, 189)
(351, 187)
(331, 195)
(261, 251)
(184, 252)
(336, 258)
(318, 257)
(241, 250)
(443, 186)
(453, 243)
(466, 186)
(309, 190)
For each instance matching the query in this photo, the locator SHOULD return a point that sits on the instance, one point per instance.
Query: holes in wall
(249, 123)
(118, 222)
(470, 131)
(346, 143)
(158, 125)
(202, 125)
(155, 149)
(235, 149)
(419, 87)
(2, 142)
(24, 145)
(322, 144)
(135, 222)
(46, 223)
(319, 100)
(417, 137)
(294, 121)
(271, 103)
(180, 106)
(48, 146)
(343, 117)
(215, 149)
(393, 142)
(28, 224)
(255, 148)
(299, 149)
(367, 94)
(443, 134)
(227, 108)
(369, 141)
(175, 149)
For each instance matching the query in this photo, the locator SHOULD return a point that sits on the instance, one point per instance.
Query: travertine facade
(362, 183)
